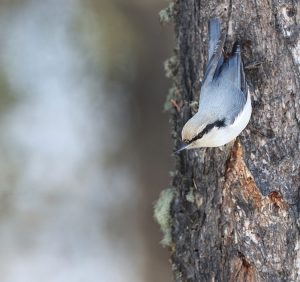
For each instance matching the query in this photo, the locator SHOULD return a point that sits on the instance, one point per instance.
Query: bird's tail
(236, 54)
(215, 49)
(214, 35)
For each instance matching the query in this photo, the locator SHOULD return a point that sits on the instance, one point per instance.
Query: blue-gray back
(224, 88)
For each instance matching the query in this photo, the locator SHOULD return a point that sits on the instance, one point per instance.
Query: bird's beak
(181, 148)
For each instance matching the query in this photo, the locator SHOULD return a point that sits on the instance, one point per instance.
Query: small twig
(175, 104)
(254, 65)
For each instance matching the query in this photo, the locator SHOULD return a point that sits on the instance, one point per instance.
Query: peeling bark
(235, 210)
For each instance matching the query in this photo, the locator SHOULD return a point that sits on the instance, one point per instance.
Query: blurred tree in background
(84, 142)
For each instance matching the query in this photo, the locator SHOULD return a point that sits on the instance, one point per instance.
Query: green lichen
(178, 275)
(166, 14)
(171, 66)
(162, 209)
(190, 196)
(171, 70)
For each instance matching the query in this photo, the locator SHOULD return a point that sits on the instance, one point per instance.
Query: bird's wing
(234, 103)
(215, 50)
(221, 99)
(214, 34)
(224, 88)
(232, 70)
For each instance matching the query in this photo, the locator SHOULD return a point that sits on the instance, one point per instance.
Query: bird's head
(201, 132)
(190, 132)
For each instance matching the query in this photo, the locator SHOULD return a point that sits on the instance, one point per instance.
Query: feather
(215, 50)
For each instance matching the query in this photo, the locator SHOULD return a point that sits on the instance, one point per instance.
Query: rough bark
(234, 214)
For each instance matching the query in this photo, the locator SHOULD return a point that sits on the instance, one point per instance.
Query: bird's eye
(185, 141)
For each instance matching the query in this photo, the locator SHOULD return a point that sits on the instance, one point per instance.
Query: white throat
(223, 135)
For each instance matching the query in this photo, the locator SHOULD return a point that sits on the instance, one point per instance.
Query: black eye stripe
(209, 127)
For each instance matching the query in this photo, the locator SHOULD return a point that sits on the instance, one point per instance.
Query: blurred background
(85, 147)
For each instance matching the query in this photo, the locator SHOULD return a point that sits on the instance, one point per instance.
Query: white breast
(221, 136)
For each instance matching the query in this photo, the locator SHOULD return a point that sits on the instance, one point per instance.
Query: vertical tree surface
(235, 209)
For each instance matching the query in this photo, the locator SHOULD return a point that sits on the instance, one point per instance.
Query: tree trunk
(235, 209)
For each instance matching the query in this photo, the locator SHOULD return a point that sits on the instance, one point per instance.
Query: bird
(224, 103)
